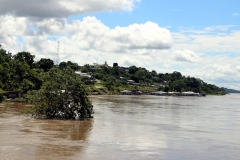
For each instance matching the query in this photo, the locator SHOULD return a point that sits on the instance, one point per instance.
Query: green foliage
(25, 57)
(20, 72)
(86, 80)
(170, 81)
(16, 72)
(166, 89)
(62, 95)
(132, 70)
(95, 89)
(109, 82)
(4, 56)
(115, 72)
(2, 97)
(99, 75)
(19, 76)
(45, 64)
(86, 68)
(176, 76)
(73, 66)
(105, 70)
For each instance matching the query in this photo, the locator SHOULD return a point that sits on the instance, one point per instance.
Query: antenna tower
(57, 60)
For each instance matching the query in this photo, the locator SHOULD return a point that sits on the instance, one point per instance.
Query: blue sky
(197, 38)
(174, 13)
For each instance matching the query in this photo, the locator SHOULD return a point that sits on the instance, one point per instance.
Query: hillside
(135, 78)
(21, 73)
(231, 90)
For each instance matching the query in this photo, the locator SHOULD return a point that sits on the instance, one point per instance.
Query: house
(14, 94)
(98, 66)
(146, 84)
(89, 75)
(136, 84)
(124, 78)
(125, 92)
(89, 79)
(190, 93)
(138, 93)
(173, 93)
(159, 93)
(130, 81)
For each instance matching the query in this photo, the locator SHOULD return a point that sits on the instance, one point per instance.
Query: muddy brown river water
(128, 127)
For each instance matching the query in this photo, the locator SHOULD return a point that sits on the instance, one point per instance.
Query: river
(129, 127)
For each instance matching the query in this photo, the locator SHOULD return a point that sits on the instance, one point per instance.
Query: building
(190, 93)
(14, 94)
(125, 92)
(131, 81)
(98, 66)
(159, 93)
(89, 75)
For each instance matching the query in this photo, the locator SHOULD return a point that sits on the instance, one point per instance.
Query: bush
(2, 97)
(63, 95)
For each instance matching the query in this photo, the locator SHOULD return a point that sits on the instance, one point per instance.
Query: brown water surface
(128, 127)
(22, 137)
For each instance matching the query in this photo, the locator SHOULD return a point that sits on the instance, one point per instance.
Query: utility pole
(57, 60)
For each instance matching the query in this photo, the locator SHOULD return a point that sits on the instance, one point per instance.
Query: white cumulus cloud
(85, 41)
(93, 34)
(61, 8)
(238, 68)
(51, 26)
(186, 56)
(211, 39)
(11, 28)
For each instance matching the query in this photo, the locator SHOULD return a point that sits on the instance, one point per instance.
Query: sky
(200, 39)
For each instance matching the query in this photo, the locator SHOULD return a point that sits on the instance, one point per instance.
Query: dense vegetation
(62, 95)
(20, 72)
(55, 93)
(117, 78)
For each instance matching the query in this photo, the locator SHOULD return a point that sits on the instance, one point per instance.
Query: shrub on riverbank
(2, 97)
(62, 95)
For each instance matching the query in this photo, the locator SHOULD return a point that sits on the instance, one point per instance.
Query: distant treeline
(20, 72)
(231, 90)
(116, 76)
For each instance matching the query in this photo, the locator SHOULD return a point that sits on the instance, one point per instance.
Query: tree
(166, 89)
(4, 56)
(114, 71)
(135, 78)
(25, 57)
(86, 80)
(115, 64)
(132, 70)
(19, 76)
(109, 82)
(86, 68)
(62, 95)
(153, 73)
(105, 70)
(176, 76)
(45, 64)
(4, 72)
(62, 65)
(74, 66)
